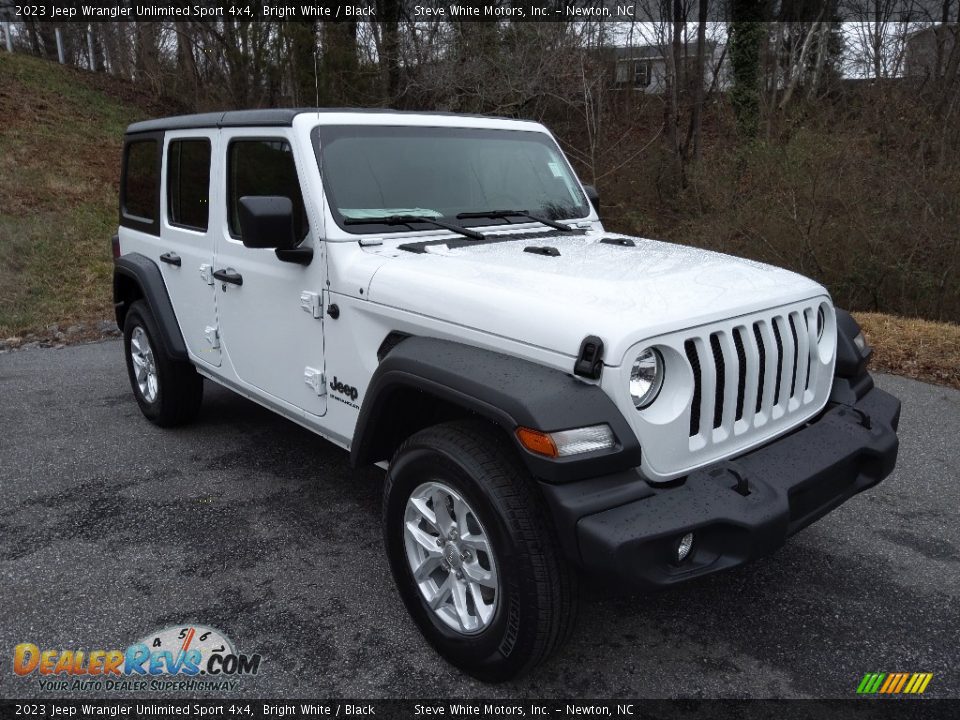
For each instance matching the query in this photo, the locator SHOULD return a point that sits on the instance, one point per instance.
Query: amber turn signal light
(537, 442)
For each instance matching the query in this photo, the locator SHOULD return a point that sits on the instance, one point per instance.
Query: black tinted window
(263, 167)
(141, 190)
(188, 183)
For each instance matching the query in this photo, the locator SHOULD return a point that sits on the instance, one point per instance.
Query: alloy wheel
(451, 558)
(144, 364)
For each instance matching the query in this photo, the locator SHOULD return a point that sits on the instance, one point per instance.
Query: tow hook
(741, 485)
(862, 418)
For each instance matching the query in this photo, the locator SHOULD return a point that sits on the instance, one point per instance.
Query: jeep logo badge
(347, 390)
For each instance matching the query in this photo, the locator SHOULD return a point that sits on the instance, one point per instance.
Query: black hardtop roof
(275, 117)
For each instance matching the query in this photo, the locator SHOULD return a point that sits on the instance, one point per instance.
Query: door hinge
(310, 301)
(212, 335)
(314, 378)
(206, 272)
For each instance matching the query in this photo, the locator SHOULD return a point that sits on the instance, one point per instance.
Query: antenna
(316, 75)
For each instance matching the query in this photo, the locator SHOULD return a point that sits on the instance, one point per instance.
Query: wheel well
(407, 410)
(126, 291)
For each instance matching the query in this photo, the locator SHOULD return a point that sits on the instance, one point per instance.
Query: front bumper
(623, 528)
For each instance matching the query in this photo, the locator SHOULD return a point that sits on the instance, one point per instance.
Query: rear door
(270, 315)
(185, 251)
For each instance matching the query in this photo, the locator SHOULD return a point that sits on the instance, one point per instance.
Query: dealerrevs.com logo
(181, 657)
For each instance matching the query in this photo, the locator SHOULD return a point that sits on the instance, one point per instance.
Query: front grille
(691, 349)
(751, 374)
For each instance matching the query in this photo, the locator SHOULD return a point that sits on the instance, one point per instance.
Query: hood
(621, 294)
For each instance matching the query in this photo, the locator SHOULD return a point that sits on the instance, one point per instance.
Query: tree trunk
(822, 47)
(48, 41)
(697, 113)
(188, 76)
(388, 14)
(147, 53)
(674, 80)
(303, 62)
(879, 30)
(340, 63)
(746, 34)
(797, 70)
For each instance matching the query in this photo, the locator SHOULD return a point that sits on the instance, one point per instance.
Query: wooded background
(835, 151)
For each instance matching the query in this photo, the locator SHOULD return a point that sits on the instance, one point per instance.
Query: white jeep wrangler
(436, 294)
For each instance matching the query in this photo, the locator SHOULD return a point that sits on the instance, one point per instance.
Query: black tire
(539, 590)
(179, 385)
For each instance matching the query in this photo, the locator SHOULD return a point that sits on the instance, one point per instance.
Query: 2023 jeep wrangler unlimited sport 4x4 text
(436, 292)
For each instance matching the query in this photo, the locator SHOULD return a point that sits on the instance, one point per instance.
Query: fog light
(684, 547)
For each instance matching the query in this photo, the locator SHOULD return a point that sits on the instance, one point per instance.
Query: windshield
(438, 172)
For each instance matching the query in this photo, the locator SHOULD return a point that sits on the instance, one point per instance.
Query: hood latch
(589, 362)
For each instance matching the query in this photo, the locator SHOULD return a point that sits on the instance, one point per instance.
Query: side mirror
(266, 221)
(593, 196)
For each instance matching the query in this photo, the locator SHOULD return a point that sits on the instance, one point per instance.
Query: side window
(141, 189)
(263, 167)
(188, 183)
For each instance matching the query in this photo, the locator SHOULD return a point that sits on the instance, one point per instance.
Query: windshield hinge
(310, 302)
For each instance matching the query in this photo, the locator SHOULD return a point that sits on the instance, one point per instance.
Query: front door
(185, 254)
(271, 327)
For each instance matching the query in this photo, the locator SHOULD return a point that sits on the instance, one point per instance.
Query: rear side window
(188, 183)
(141, 187)
(263, 167)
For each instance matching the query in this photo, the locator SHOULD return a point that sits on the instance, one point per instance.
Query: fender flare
(851, 381)
(851, 361)
(145, 273)
(507, 391)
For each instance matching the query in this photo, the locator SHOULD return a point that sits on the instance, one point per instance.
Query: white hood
(621, 294)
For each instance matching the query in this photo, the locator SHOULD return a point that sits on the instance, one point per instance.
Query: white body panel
(192, 297)
(621, 294)
(270, 338)
(497, 297)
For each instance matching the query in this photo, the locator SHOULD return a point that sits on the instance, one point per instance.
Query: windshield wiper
(507, 214)
(408, 219)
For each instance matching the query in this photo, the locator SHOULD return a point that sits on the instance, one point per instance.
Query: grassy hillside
(59, 165)
(920, 349)
(60, 144)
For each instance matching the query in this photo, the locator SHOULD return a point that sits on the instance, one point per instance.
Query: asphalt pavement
(111, 528)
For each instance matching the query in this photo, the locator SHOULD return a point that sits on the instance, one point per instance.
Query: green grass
(59, 172)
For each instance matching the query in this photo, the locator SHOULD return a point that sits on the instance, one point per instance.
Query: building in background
(930, 51)
(645, 68)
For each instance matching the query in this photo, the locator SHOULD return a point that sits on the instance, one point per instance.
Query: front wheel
(473, 553)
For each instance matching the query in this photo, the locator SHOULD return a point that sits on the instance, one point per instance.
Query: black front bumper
(623, 528)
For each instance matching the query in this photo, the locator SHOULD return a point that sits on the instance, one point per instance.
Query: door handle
(171, 259)
(228, 275)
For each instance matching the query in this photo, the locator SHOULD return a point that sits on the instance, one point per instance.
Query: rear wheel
(168, 392)
(473, 553)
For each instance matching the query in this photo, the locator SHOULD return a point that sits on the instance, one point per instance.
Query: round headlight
(646, 377)
(821, 323)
